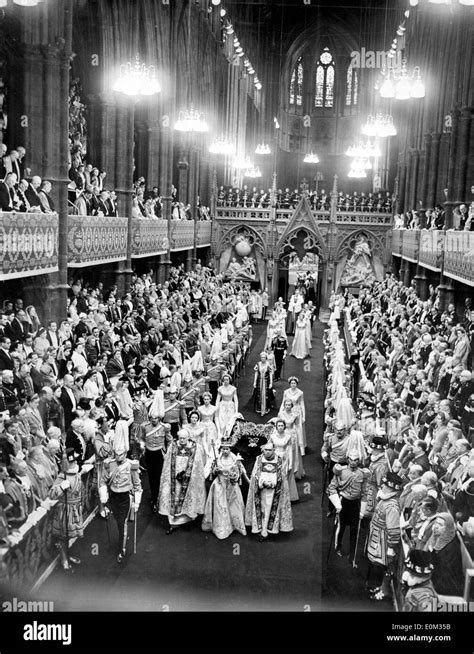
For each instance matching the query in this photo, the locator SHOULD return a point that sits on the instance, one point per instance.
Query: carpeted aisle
(193, 571)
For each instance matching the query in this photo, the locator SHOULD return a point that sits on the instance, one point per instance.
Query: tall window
(352, 84)
(296, 84)
(324, 96)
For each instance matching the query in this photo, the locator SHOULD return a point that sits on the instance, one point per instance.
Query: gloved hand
(336, 500)
(64, 485)
(137, 498)
(103, 494)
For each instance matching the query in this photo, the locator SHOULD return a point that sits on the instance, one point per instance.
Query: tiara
(290, 379)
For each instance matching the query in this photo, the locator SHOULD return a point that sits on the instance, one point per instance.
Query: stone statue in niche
(359, 268)
(246, 269)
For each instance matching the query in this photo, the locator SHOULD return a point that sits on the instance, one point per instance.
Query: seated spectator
(448, 574)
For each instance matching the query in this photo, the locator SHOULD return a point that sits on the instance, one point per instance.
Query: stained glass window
(296, 84)
(352, 83)
(325, 72)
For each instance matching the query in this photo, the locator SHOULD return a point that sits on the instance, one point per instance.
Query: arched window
(352, 84)
(324, 96)
(296, 84)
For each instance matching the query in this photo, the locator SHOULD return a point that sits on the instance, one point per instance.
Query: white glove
(363, 508)
(336, 500)
(324, 456)
(137, 498)
(103, 494)
(390, 551)
(64, 485)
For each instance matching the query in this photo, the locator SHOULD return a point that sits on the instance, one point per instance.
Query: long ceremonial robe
(182, 488)
(268, 509)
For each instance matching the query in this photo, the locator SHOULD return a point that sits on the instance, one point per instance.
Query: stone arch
(229, 238)
(376, 245)
(316, 241)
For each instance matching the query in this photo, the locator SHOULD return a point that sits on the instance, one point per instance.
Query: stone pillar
(421, 281)
(462, 155)
(401, 270)
(408, 274)
(415, 194)
(433, 170)
(400, 206)
(446, 292)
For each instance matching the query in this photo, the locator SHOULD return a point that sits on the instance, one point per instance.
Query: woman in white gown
(225, 508)
(227, 404)
(296, 396)
(207, 411)
(282, 440)
(196, 431)
(300, 349)
(291, 416)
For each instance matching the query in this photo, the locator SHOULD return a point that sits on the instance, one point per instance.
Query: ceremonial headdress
(419, 563)
(378, 443)
(392, 480)
(293, 378)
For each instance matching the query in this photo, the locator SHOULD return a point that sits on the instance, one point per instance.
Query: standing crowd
(398, 445)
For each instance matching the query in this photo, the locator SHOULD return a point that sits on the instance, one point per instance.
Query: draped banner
(29, 244)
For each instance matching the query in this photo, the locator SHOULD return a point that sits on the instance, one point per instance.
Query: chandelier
(400, 85)
(311, 157)
(253, 171)
(243, 163)
(262, 148)
(191, 121)
(222, 145)
(380, 125)
(363, 150)
(357, 169)
(136, 79)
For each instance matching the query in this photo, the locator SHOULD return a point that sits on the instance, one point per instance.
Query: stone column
(408, 274)
(421, 282)
(446, 292)
(433, 170)
(462, 155)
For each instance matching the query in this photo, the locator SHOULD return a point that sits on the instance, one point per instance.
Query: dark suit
(6, 199)
(74, 441)
(16, 330)
(6, 362)
(69, 408)
(33, 197)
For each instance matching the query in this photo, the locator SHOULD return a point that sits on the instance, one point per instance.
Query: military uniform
(384, 534)
(348, 492)
(156, 439)
(377, 471)
(279, 347)
(122, 479)
(175, 415)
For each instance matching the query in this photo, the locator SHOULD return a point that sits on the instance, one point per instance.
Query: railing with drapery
(32, 550)
(203, 233)
(459, 256)
(28, 244)
(150, 237)
(431, 249)
(182, 234)
(410, 245)
(451, 252)
(95, 240)
(397, 242)
(243, 214)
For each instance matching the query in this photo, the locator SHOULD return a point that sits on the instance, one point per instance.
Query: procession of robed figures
(206, 471)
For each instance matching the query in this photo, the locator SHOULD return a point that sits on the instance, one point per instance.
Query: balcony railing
(410, 245)
(449, 252)
(203, 235)
(459, 256)
(431, 249)
(182, 234)
(397, 242)
(150, 237)
(96, 240)
(243, 214)
(28, 243)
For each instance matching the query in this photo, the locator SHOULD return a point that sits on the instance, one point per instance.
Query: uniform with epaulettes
(348, 493)
(175, 415)
(122, 479)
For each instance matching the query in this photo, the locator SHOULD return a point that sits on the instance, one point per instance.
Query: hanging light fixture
(262, 148)
(222, 145)
(382, 125)
(216, 3)
(242, 163)
(387, 90)
(311, 158)
(253, 171)
(23, 3)
(357, 169)
(191, 121)
(137, 79)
